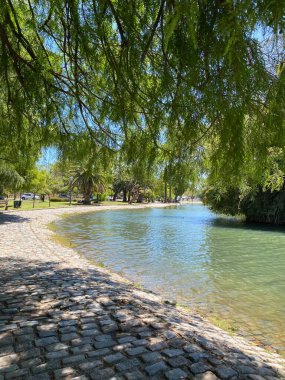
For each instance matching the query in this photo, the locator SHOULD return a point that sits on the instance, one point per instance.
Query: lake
(231, 272)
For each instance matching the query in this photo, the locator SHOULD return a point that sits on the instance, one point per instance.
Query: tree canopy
(154, 79)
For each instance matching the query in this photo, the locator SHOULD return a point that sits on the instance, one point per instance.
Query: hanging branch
(153, 30)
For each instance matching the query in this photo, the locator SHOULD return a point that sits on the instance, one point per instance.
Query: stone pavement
(63, 318)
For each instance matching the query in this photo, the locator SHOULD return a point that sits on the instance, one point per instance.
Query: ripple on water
(213, 264)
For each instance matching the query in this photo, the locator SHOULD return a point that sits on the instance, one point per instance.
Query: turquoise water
(218, 266)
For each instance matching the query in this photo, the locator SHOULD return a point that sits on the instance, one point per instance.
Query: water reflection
(217, 265)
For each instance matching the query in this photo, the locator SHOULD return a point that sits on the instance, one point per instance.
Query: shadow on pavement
(60, 322)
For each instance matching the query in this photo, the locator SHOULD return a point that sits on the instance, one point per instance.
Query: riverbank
(63, 317)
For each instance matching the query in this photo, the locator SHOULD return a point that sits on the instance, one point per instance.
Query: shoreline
(31, 242)
(217, 320)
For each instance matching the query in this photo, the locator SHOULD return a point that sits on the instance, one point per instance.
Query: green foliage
(55, 199)
(258, 195)
(9, 179)
(137, 75)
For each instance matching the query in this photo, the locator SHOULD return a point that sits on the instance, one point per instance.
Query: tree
(135, 75)
(88, 180)
(9, 179)
(259, 197)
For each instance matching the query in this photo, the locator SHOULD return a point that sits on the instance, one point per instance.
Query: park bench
(4, 203)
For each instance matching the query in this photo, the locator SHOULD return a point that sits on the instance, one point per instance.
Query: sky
(48, 156)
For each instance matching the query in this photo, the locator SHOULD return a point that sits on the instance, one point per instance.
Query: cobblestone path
(63, 318)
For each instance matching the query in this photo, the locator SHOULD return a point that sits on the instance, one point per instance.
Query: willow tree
(135, 74)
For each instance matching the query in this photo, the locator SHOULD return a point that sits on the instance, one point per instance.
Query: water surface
(218, 266)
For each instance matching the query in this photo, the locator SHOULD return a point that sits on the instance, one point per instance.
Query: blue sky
(48, 156)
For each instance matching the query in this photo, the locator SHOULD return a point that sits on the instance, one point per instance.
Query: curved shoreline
(170, 332)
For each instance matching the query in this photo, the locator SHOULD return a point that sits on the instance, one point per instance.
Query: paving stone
(145, 334)
(30, 353)
(157, 346)
(178, 361)
(245, 369)
(127, 364)
(103, 338)
(20, 347)
(67, 337)
(73, 359)
(8, 360)
(6, 350)
(8, 368)
(121, 347)
(169, 334)
(151, 357)
(155, 368)
(88, 326)
(57, 354)
(172, 352)
(258, 377)
(98, 353)
(110, 328)
(31, 362)
(40, 376)
(46, 341)
(110, 359)
(206, 376)
(88, 366)
(126, 339)
(192, 348)
(6, 339)
(45, 334)
(82, 340)
(63, 372)
(199, 367)
(57, 347)
(92, 332)
(137, 351)
(68, 329)
(49, 366)
(8, 327)
(80, 349)
(263, 371)
(104, 374)
(135, 375)
(17, 373)
(139, 342)
(176, 374)
(225, 372)
(104, 344)
(197, 356)
(69, 322)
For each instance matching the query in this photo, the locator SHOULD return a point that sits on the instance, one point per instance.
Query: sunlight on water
(218, 266)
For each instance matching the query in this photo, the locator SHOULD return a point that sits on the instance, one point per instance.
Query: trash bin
(17, 204)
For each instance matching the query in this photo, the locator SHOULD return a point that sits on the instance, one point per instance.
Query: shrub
(55, 199)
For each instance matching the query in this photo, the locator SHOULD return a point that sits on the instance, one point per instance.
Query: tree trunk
(140, 198)
(125, 196)
(87, 200)
(165, 192)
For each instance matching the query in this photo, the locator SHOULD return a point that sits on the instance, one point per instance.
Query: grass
(39, 205)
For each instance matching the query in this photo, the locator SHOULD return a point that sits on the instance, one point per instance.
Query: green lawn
(28, 204)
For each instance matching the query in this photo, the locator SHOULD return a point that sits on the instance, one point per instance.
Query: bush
(258, 206)
(55, 199)
(101, 197)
